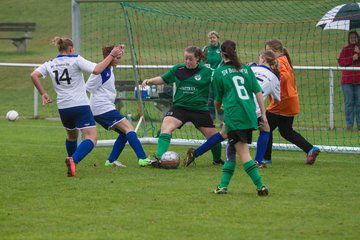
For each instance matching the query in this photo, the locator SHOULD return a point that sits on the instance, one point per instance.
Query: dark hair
(276, 45)
(270, 59)
(196, 51)
(228, 48)
(107, 50)
(353, 33)
(62, 43)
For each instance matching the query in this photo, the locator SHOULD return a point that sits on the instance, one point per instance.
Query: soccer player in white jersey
(267, 74)
(66, 74)
(102, 98)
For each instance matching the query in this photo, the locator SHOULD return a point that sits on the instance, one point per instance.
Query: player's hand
(122, 49)
(145, 82)
(116, 51)
(46, 99)
(355, 57)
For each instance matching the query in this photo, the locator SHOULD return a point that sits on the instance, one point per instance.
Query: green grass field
(38, 201)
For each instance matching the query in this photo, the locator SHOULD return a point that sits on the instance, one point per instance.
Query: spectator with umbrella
(347, 17)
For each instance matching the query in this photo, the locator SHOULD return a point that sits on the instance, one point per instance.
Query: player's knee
(286, 134)
(265, 128)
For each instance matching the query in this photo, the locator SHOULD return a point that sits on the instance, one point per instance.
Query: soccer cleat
(115, 163)
(312, 155)
(220, 190)
(260, 164)
(263, 191)
(156, 163)
(267, 161)
(218, 162)
(189, 157)
(144, 162)
(71, 167)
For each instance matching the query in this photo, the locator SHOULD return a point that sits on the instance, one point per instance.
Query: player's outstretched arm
(35, 77)
(115, 52)
(153, 81)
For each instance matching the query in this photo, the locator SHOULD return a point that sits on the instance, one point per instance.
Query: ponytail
(62, 43)
(277, 46)
(228, 48)
(286, 53)
(270, 59)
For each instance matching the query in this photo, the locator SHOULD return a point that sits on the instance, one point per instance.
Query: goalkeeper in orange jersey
(281, 114)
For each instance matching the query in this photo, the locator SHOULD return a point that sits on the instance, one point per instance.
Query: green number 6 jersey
(235, 90)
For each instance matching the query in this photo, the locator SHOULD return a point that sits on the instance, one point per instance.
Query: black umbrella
(343, 17)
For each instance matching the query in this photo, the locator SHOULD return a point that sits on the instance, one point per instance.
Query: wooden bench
(18, 41)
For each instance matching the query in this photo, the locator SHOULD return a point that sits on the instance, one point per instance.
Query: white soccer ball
(170, 159)
(12, 115)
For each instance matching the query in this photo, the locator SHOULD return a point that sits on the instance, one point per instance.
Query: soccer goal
(156, 33)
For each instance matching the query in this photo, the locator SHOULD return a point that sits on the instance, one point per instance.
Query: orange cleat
(71, 167)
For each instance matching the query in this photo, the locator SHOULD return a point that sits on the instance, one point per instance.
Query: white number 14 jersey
(67, 78)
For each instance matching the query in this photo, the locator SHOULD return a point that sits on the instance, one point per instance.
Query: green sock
(163, 144)
(252, 170)
(227, 172)
(216, 152)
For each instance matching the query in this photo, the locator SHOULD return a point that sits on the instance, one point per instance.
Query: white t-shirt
(103, 92)
(269, 83)
(67, 78)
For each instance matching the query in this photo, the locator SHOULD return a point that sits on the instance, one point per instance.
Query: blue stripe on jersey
(105, 75)
(265, 67)
(67, 55)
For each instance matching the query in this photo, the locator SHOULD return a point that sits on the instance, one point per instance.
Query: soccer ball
(170, 160)
(12, 115)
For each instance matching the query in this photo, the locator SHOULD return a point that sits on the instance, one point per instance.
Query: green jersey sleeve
(217, 86)
(169, 76)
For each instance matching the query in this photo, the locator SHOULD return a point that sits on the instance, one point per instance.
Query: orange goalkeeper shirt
(289, 103)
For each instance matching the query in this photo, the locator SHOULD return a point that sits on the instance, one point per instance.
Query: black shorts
(198, 117)
(244, 136)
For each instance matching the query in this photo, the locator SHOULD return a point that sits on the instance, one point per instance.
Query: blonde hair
(62, 43)
(270, 59)
(213, 33)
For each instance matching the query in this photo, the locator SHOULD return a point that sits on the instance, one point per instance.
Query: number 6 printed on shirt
(241, 90)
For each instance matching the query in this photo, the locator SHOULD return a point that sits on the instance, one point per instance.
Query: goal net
(156, 33)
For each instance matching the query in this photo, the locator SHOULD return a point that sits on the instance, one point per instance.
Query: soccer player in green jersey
(192, 80)
(212, 59)
(234, 85)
